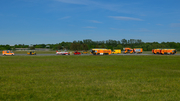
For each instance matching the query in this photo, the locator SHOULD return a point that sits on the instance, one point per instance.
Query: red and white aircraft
(62, 53)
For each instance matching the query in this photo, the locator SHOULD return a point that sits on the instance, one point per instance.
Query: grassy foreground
(92, 78)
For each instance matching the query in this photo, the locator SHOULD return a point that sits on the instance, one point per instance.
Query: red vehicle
(77, 53)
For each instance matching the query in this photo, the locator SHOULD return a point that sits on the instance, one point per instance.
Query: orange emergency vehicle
(164, 51)
(8, 52)
(138, 50)
(101, 51)
(128, 50)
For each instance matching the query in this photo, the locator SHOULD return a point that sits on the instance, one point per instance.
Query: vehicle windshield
(92, 51)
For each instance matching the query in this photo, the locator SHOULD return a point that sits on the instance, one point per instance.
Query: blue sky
(54, 21)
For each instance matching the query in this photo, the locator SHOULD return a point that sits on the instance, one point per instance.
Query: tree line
(87, 44)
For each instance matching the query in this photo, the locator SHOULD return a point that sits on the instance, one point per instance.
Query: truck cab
(156, 51)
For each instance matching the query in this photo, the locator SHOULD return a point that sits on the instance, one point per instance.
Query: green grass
(147, 52)
(90, 78)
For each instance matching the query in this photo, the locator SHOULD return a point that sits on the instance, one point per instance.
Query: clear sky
(54, 21)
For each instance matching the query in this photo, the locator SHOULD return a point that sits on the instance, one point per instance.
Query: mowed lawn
(90, 78)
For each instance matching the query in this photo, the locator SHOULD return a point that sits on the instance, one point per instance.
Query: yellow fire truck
(100, 51)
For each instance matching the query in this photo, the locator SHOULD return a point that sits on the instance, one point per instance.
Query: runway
(92, 55)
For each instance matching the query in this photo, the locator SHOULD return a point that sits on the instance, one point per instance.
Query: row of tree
(88, 44)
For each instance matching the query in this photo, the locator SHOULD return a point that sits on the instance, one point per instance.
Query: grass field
(90, 78)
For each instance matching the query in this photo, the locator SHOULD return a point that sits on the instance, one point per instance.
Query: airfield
(88, 55)
(86, 77)
(53, 53)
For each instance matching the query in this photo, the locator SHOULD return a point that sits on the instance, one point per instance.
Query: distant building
(21, 49)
